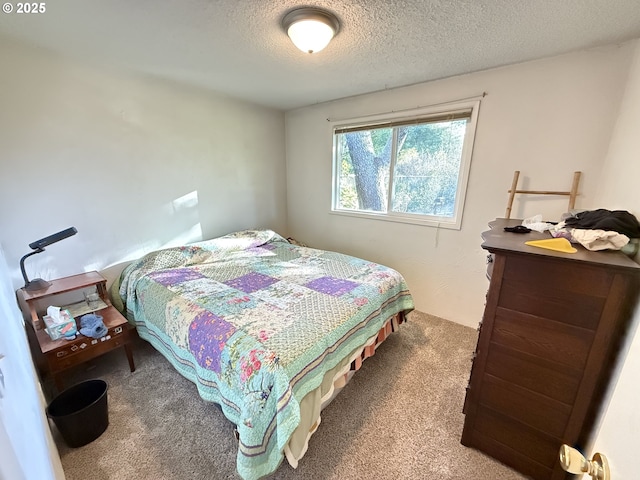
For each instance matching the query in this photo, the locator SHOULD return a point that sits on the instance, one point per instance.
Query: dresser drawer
(536, 274)
(557, 342)
(533, 373)
(556, 294)
(561, 306)
(527, 407)
(536, 445)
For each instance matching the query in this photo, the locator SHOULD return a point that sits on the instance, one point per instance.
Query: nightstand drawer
(86, 348)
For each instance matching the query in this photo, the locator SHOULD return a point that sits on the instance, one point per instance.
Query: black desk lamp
(38, 247)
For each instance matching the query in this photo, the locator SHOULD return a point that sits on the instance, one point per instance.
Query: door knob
(572, 461)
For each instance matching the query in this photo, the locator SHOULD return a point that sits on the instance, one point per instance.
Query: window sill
(430, 222)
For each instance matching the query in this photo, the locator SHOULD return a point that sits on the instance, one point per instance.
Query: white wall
(134, 163)
(546, 118)
(620, 424)
(27, 451)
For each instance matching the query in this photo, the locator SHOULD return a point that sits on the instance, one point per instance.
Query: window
(406, 169)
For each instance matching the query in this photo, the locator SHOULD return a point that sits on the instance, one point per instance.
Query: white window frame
(454, 222)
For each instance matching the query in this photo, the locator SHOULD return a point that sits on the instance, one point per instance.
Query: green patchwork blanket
(255, 322)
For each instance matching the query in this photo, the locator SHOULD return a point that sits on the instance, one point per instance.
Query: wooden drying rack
(573, 193)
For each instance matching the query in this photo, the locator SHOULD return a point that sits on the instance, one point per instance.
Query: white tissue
(54, 313)
(536, 223)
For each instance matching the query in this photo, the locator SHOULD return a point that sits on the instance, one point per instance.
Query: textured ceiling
(237, 47)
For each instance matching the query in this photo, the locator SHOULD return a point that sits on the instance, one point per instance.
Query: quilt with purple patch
(255, 322)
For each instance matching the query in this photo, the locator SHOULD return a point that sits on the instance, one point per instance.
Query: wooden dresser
(549, 337)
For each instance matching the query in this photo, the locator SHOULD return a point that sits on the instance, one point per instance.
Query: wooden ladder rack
(573, 193)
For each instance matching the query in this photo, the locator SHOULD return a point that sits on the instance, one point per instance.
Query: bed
(268, 330)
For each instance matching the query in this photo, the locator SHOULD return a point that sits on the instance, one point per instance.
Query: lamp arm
(24, 273)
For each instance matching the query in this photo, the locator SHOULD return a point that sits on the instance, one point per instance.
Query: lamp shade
(310, 29)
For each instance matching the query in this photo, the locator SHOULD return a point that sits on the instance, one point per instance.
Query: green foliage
(346, 167)
(379, 138)
(426, 169)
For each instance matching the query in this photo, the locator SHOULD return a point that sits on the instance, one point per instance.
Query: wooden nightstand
(54, 356)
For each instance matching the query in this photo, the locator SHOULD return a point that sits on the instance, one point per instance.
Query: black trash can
(80, 412)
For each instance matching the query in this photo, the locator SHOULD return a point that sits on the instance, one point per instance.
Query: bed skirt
(334, 381)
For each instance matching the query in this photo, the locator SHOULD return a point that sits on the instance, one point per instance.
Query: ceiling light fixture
(310, 28)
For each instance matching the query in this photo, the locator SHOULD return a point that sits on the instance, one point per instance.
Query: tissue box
(65, 326)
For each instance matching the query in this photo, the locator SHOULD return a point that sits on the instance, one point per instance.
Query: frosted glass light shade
(310, 29)
(310, 35)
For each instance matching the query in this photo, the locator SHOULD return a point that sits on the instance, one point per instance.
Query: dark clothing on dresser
(619, 221)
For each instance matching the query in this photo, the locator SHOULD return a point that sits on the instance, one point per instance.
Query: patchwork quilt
(255, 322)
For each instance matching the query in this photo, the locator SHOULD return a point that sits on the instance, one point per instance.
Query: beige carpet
(400, 417)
